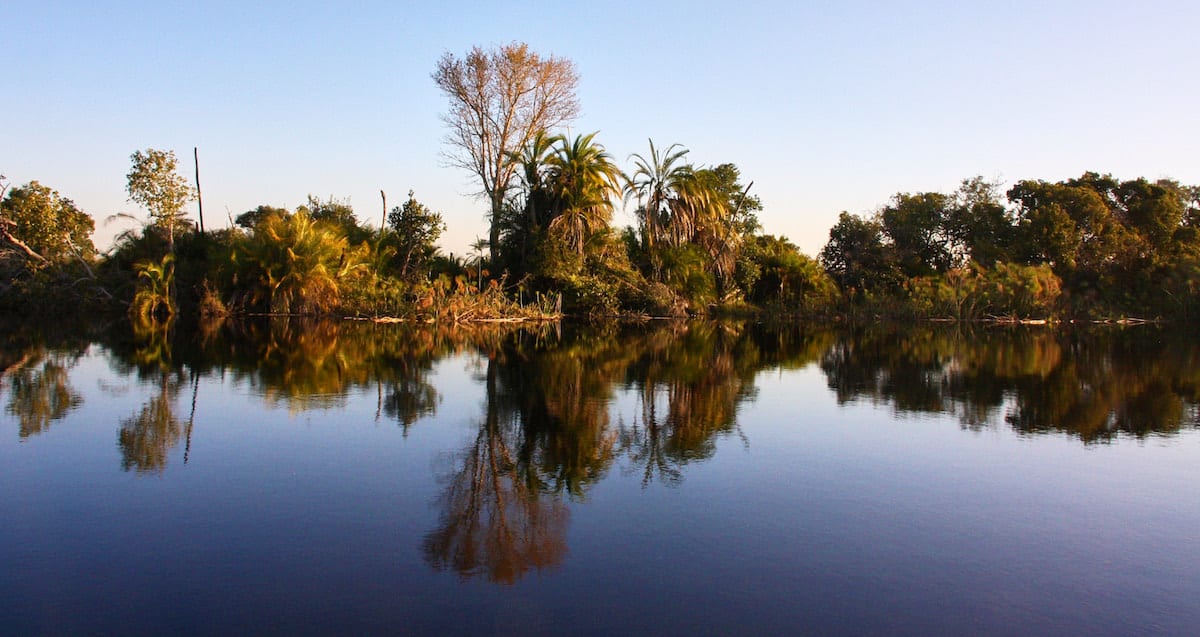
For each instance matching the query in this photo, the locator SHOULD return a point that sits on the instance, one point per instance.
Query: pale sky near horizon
(825, 106)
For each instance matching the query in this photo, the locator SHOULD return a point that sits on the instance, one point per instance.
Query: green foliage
(153, 183)
(583, 181)
(916, 224)
(856, 256)
(48, 223)
(776, 274)
(252, 218)
(1113, 247)
(653, 183)
(416, 228)
(684, 268)
(500, 100)
(978, 226)
(339, 213)
(47, 260)
(1006, 290)
(297, 264)
(155, 296)
(725, 180)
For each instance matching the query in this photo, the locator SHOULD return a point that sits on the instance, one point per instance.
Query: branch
(4, 223)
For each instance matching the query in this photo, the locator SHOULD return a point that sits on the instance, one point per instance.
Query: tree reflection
(41, 392)
(147, 437)
(690, 380)
(1090, 384)
(547, 433)
(564, 404)
(496, 522)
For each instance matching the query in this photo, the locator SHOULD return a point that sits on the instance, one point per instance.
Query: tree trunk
(199, 199)
(494, 230)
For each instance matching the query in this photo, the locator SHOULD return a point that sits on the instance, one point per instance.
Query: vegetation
(501, 99)
(1091, 246)
(153, 183)
(1094, 246)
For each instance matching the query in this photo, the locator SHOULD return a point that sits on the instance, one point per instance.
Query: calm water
(672, 479)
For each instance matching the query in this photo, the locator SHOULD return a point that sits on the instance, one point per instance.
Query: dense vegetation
(1093, 246)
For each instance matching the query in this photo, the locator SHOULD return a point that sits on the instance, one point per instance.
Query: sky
(825, 106)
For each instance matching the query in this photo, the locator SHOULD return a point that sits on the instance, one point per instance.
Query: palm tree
(300, 262)
(527, 212)
(712, 222)
(532, 161)
(155, 296)
(584, 182)
(478, 246)
(653, 183)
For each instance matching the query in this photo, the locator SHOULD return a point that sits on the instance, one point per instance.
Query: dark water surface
(671, 479)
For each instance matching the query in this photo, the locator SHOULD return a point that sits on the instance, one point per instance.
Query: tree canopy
(153, 183)
(46, 223)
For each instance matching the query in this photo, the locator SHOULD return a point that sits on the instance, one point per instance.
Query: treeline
(1093, 246)
(696, 246)
(317, 259)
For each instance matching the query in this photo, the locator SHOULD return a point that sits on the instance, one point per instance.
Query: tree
(527, 212)
(35, 219)
(584, 182)
(300, 263)
(725, 179)
(978, 225)
(725, 220)
(499, 100)
(478, 246)
(1153, 210)
(916, 226)
(331, 210)
(1069, 225)
(653, 183)
(417, 229)
(153, 183)
(253, 217)
(855, 255)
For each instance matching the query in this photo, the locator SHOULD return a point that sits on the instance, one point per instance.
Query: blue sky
(826, 106)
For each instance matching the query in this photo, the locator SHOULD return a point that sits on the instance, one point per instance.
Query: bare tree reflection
(495, 522)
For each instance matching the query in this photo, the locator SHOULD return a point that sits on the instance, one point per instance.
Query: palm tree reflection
(147, 437)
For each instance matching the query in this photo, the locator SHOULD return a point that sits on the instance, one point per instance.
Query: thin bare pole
(199, 199)
(383, 221)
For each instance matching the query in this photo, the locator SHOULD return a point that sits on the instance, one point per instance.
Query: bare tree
(499, 99)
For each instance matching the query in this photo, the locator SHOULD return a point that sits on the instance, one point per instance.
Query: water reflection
(41, 392)
(546, 435)
(497, 518)
(554, 386)
(1092, 384)
(38, 378)
(147, 437)
(540, 462)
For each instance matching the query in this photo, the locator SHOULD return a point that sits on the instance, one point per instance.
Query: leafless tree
(499, 99)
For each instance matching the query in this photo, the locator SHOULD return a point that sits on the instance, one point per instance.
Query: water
(670, 479)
